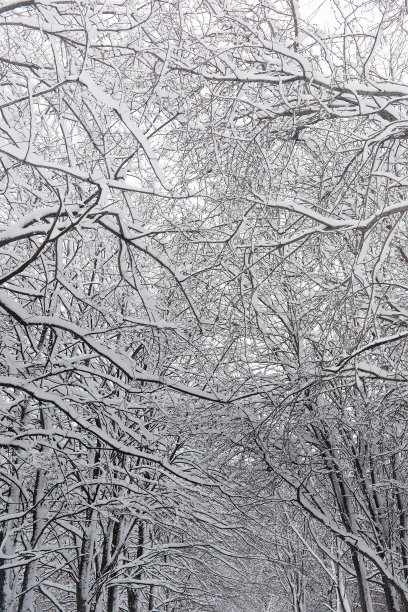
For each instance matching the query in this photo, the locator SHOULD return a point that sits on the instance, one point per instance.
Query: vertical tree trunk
(85, 566)
(363, 588)
(343, 604)
(344, 496)
(132, 596)
(151, 598)
(6, 575)
(26, 601)
(132, 593)
(113, 591)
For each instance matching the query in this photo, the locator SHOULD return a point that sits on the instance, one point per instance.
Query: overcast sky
(320, 12)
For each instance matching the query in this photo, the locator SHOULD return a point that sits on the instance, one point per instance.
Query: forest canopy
(203, 306)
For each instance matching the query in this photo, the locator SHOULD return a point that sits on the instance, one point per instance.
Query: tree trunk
(26, 601)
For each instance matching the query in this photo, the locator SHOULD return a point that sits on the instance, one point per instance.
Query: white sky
(318, 12)
(323, 14)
